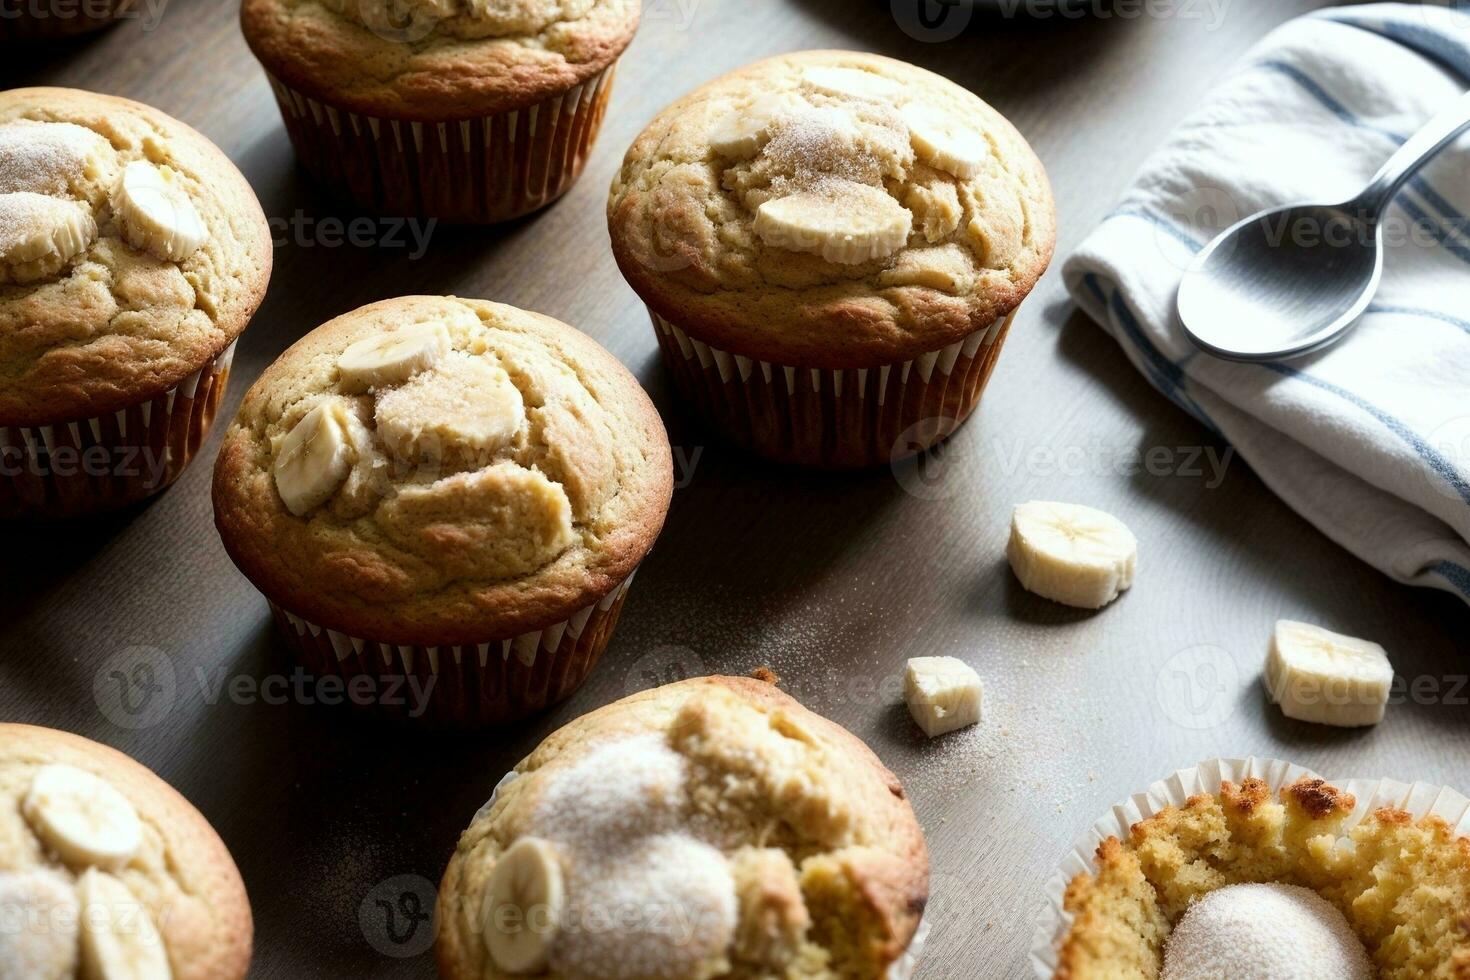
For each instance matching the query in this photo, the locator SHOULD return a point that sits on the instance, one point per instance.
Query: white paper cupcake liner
(478, 170)
(121, 457)
(492, 682)
(902, 969)
(1419, 799)
(850, 417)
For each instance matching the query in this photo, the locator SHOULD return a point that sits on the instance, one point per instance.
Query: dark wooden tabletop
(832, 580)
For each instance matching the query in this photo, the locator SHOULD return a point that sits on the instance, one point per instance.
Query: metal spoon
(1292, 280)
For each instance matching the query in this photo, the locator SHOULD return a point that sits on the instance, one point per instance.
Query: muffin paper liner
(850, 417)
(475, 171)
(1419, 799)
(902, 969)
(493, 682)
(110, 460)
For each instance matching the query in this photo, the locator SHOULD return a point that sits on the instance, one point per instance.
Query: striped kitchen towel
(1369, 439)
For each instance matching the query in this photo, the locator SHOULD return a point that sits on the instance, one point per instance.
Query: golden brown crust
(433, 75)
(1319, 799)
(843, 819)
(117, 326)
(354, 567)
(683, 231)
(191, 886)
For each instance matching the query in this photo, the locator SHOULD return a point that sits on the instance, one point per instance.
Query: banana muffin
(832, 247)
(132, 255)
(464, 110)
(449, 492)
(1176, 899)
(710, 828)
(106, 872)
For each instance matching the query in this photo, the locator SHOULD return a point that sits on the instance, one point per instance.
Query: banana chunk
(314, 458)
(39, 940)
(943, 143)
(740, 133)
(852, 83)
(119, 939)
(155, 213)
(944, 694)
(1072, 554)
(848, 223)
(463, 410)
(82, 817)
(1327, 678)
(523, 906)
(40, 235)
(392, 358)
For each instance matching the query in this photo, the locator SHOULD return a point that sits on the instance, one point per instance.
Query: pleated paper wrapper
(840, 419)
(494, 682)
(1419, 799)
(902, 969)
(138, 450)
(472, 171)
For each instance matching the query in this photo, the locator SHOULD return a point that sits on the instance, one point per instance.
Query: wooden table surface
(832, 580)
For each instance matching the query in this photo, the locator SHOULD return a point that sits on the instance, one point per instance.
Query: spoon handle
(1437, 134)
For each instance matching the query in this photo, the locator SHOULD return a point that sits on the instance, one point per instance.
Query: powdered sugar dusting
(1265, 932)
(45, 158)
(644, 900)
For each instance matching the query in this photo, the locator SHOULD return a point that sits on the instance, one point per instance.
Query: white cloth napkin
(1370, 439)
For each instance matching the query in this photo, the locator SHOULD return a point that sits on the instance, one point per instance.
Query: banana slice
(38, 931)
(1073, 554)
(944, 694)
(155, 213)
(392, 358)
(848, 223)
(1327, 678)
(314, 458)
(943, 143)
(740, 134)
(461, 411)
(40, 235)
(119, 939)
(83, 818)
(851, 83)
(523, 906)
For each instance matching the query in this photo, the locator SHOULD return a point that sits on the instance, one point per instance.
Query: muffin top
(132, 252)
(725, 829)
(437, 60)
(117, 873)
(1403, 884)
(830, 209)
(432, 470)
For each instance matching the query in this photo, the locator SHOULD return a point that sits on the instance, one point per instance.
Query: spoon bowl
(1282, 283)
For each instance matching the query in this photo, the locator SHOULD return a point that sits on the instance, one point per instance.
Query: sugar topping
(645, 899)
(1265, 932)
(46, 157)
(664, 911)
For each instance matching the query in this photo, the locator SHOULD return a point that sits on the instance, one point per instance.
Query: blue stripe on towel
(1443, 48)
(1431, 456)
(1456, 575)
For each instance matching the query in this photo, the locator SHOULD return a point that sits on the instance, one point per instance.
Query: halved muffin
(1402, 884)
